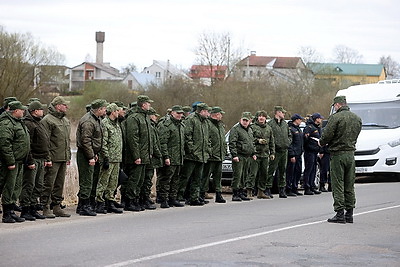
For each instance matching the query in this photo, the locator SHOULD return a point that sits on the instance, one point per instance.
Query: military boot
(111, 207)
(16, 217)
(243, 195)
(86, 208)
(149, 205)
(268, 192)
(101, 208)
(47, 212)
(322, 187)
(290, 193)
(219, 198)
(348, 216)
(164, 204)
(7, 215)
(26, 214)
(249, 193)
(338, 218)
(262, 195)
(282, 193)
(175, 203)
(35, 213)
(235, 195)
(60, 212)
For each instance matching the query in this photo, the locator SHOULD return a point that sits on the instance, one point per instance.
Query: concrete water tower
(99, 52)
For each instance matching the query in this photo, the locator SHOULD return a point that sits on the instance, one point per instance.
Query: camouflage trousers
(241, 172)
(259, 173)
(32, 184)
(213, 168)
(11, 183)
(343, 176)
(108, 181)
(168, 182)
(53, 183)
(278, 165)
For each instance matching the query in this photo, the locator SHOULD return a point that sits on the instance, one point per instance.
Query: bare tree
(129, 68)
(344, 54)
(391, 66)
(310, 55)
(20, 55)
(216, 49)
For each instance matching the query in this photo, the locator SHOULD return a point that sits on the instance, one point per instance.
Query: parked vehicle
(378, 145)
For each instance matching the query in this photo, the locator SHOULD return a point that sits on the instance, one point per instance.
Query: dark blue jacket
(311, 130)
(296, 147)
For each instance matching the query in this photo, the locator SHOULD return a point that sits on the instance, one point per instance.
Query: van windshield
(381, 115)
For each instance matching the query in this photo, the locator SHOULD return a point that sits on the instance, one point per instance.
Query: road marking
(179, 251)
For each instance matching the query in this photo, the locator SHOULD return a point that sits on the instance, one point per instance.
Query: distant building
(205, 74)
(164, 71)
(343, 75)
(139, 81)
(51, 79)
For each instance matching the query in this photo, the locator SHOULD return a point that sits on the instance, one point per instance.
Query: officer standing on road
(58, 129)
(218, 151)
(14, 150)
(312, 133)
(295, 150)
(265, 148)
(283, 138)
(242, 149)
(341, 135)
(89, 139)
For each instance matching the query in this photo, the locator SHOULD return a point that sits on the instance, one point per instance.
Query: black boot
(26, 214)
(268, 192)
(15, 207)
(235, 195)
(175, 203)
(315, 191)
(7, 215)
(101, 208)
(16, 217)
(348, 216)
(243, 195)
(149, 205)
(322, 187)
(296, 191)
(338, 218)
(131, 205)
(308, 192)
(282, 193)
(219, 198)
(35, 213)
(290, 193)
(164, 204)
(86, 208)
(329, 187)
(112, 208)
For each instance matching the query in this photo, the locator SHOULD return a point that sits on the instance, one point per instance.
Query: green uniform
(14, 149)
(112, 151)
(341, 135)
(172, 140)
(241, 145)
(283, 138)
(265, 146)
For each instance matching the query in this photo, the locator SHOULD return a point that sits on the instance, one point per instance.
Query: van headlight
(394, 143)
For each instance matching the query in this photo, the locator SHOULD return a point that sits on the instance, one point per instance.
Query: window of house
(158, 74)
(251, 73)
(259, 73)
(244, 73)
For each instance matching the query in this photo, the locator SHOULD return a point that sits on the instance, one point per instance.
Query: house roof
(143, 78)
(346, 69)
(273, 62)
(166, 65)
(204, 71)
(111, 70)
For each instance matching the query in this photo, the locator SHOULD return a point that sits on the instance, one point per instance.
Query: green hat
(98, 103)
(144, 98)
(59, 100)
(152, 111)
(13, 105)
(177, 109)
(35, 105)
(133, 104)
(33, 99)
(246, 115)
(217, 110)
(202, 106)
(186, 109)
(8, 100)
(112, 107)
(120, 104)
(279, 108)
(339, 99)
(262, 113)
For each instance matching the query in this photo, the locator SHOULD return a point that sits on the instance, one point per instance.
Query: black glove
(106, 164)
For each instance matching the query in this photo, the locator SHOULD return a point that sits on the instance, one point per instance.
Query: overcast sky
(140, 31)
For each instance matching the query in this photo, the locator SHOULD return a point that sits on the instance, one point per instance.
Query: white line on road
(178, 251)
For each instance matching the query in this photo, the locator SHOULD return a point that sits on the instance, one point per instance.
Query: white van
(378, 145)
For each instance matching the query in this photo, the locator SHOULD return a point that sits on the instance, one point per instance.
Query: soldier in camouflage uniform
(172, 140)
(341, 135)
(14, 150)
(111, 157)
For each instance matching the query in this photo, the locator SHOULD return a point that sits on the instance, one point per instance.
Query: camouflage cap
(113, 107)
(186, 108)
(339, 99)
(59, 100)
(33, 99)
(120, 104)
(98, 103)
(13, 105)
(152, 111)
(177, 109)
(246, 116)
(143, 99)
(262, 113)
(8, 100)
(279, 108)
(217, 110)
(36, 105)
(202, 106)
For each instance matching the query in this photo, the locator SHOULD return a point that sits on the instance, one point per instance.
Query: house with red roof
(206, 74)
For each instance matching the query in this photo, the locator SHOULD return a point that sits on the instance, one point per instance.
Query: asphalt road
(276, 232)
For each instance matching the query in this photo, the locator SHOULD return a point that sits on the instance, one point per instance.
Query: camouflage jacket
(341, 131)
(14, 140)
(241, 141)
(156, 159)
(39, 138)
(282, 134)
(89, 135)
(197, 138)
(217, 138)
(172, 140)
(112, 140)
(58, 129)
(263, 131)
